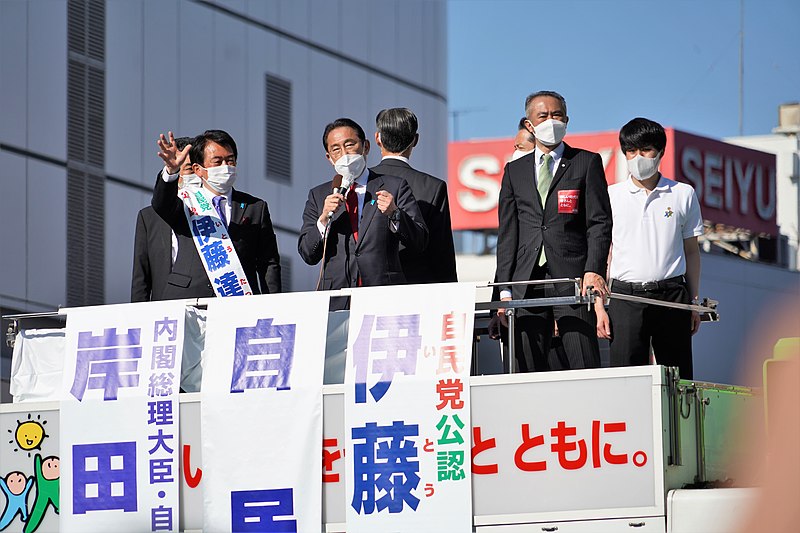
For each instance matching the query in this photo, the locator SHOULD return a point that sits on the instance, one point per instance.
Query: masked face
(350, 167)
(219, 172)
(347, 152)
(221, 178)
(642, 167)
(547, 120)
(550, 132)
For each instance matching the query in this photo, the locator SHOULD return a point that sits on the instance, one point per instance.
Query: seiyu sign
(735, 185)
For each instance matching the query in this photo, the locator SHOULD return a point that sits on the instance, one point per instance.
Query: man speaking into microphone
(355, 223)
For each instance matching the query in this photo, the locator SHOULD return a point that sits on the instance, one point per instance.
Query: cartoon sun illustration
(29, 434)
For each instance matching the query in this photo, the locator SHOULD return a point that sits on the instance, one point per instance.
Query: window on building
(278, 149)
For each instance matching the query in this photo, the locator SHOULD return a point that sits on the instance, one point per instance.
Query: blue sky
(674, 61)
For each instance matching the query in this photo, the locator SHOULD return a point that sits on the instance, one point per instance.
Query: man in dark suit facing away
(364, 224)
(246, 219)
(554, 222)
(397, 136)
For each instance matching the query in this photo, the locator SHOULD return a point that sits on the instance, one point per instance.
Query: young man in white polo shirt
(654, 254)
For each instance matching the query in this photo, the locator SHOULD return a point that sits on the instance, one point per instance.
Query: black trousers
(533, 332)
(635, 326)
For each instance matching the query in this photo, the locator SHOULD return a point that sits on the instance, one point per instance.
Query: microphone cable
(341, 186)
(324, 250)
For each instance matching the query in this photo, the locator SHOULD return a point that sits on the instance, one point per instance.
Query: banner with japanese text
(407, 410)
(119, 418)
(261, 415)
(585, 442)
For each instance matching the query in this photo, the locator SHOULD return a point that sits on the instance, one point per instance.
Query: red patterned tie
(352, 209)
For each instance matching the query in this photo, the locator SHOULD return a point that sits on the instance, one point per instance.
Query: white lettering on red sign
(568, 201)
(475, 172)
(716, 179)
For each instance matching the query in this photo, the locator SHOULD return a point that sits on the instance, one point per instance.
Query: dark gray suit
(154, 276)
(576, 240)
(437, 263)
(375, 256)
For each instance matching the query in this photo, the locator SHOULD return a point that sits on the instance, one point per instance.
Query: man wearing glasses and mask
(354, 224)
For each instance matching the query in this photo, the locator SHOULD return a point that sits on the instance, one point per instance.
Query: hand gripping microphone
(340, 186)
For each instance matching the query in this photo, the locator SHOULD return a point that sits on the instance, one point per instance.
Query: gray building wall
(188, 66)
(747, 293)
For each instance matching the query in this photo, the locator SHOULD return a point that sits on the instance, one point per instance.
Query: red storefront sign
(735, 185)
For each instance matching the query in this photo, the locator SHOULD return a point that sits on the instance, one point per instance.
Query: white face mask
(350, 167)
(550, 132)
(642, 167)
(191, 180)
(221, 178)
(519, 153)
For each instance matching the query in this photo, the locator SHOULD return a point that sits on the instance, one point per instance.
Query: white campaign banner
(261, 414)
(586, 443)
(119, 448)
(407, 410)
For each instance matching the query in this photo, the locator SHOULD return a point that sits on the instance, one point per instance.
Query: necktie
(543, 181)
(217, 201)
(352, 209)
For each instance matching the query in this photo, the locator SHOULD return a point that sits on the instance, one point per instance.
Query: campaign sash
(213, 244)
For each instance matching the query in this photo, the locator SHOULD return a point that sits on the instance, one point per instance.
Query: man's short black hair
(641, 133)
(181, 142)
(197, 153)
(342, 123)
(551, 94)
(398, 128)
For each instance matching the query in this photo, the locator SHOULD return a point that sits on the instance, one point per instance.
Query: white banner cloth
(261, 414)
(120, 468)
(407, 412)
(36, 365)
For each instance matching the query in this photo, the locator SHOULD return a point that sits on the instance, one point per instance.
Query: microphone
(341, 185)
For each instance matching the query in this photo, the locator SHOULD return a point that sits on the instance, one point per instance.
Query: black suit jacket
(573, 243)
(375, 256)
(154, 276)
(437, 263)
(250, 230)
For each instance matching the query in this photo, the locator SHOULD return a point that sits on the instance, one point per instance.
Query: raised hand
(169, 153)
